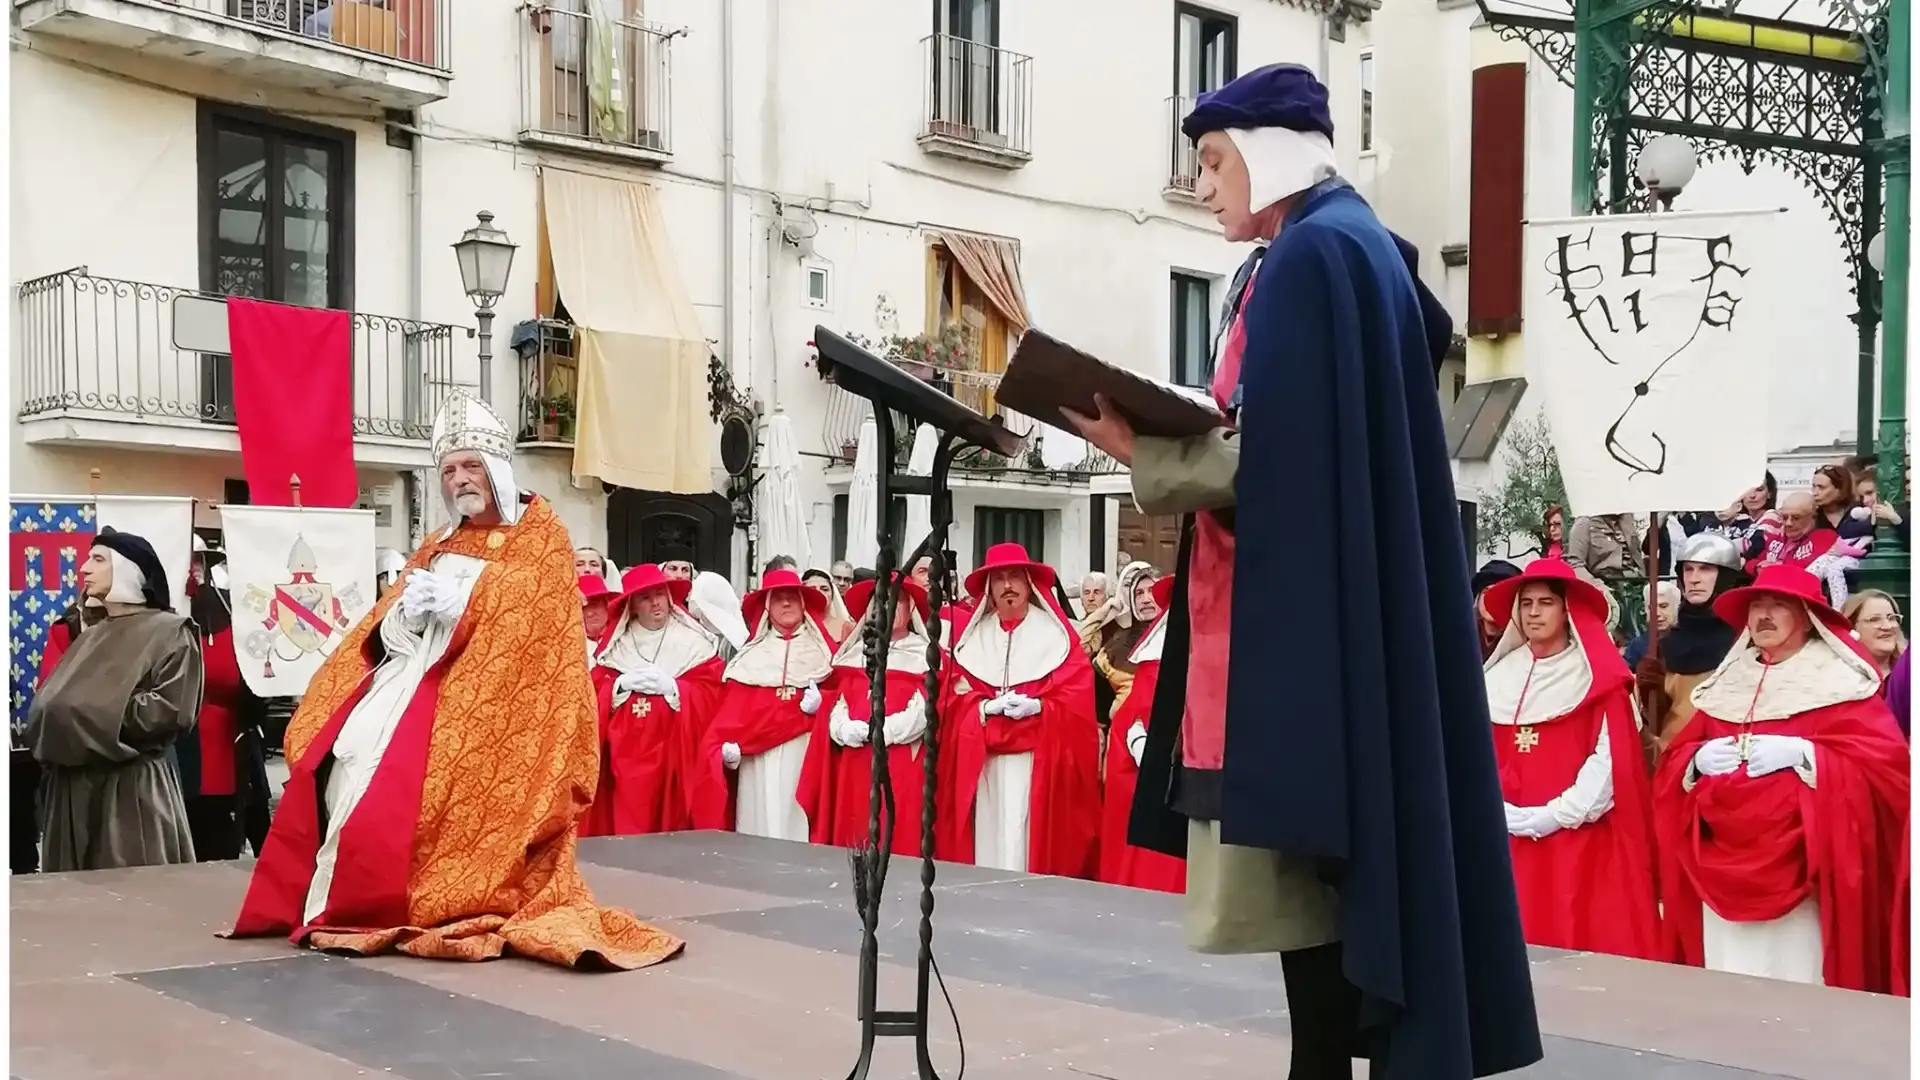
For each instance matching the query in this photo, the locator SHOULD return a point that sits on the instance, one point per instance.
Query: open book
(1046, 374)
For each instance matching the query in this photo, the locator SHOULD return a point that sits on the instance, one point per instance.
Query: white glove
(810, 701)
(1532, 822)
(850, 733)
(1769, 754)
(997, 706)
(1020, 706)
(426, 593)
(909, 723)
(1717, 757)
(730, 755)
(634, 682)
(1137, 741)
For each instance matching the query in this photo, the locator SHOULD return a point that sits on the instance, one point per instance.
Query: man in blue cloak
(1319, 749)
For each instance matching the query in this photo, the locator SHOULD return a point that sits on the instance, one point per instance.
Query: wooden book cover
(1046, 374)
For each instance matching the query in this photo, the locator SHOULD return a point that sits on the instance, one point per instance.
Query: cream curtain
(992, 264)
(643, 360)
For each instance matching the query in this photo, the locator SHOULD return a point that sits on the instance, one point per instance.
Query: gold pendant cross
(1525, 739)
(644, 706)
(786, 693)
(1745, 742)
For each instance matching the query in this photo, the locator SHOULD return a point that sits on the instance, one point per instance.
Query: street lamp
(486, 257)
(1665, 167)
(1877, 253)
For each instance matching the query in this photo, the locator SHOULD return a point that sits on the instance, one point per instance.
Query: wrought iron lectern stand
(900, 399)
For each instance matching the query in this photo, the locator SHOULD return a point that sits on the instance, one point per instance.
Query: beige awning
(993, 265)
(642, 404)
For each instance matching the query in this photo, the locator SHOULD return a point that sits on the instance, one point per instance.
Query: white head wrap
(129, 581)
(1282, 162)
(467, 425)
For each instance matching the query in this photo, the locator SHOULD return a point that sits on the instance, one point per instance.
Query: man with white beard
(658, 680)
(1781, 806)
(765, 719)
(1018, 667)
(444, 753)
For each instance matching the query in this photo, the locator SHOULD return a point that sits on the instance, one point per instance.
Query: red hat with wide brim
(1581, 594)
(594, 587)
(1786, 582)
(755, 604)
(650, 576)
(1007, 557)
(860, 594)
(1162, 591)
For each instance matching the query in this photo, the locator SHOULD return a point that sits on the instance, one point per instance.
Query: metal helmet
(1710, 549)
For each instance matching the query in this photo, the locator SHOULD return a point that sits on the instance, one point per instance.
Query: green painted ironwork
(1888, 566)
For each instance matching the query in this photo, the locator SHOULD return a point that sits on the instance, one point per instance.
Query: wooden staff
(293, 489)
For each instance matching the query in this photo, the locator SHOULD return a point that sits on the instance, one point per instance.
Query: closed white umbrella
(919, 507)
(783, 528)
(862, 547)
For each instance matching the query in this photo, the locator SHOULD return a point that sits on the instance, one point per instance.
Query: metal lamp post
(1665, 167)
(1890, 252)
(486, 258)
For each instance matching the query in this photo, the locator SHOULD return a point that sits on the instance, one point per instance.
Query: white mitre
(467, 425)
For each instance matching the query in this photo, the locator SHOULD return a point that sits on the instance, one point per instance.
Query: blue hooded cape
(1357, 731)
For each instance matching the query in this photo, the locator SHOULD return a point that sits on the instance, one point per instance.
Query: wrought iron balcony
(549, 382)
(394, 53)
(100, 348)
(979, 102)
(595, 85)
(1183, 158)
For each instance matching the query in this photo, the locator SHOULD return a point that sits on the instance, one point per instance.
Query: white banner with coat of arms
(300, 579)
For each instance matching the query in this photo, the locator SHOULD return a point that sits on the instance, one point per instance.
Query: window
(275, 209)
(1190, 353)
(595, 83)
(276, 221)
(819, 286)
(1366, 102)
(953, 298)
(1206, 46)
(1001, 525)
(966, 68)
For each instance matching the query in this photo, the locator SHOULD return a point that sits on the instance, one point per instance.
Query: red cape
(59, 640)
(1753, 849)
(645, 746)
(1591, 888)
(1063, 824)
(755, 718)
(1902, 946)
(1120, 862)
(836, 783)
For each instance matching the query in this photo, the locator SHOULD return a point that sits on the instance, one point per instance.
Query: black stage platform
(119, 974)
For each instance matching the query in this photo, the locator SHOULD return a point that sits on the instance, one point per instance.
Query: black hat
(137, 551)
(1494, 570)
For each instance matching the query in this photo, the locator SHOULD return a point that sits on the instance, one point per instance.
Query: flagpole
(293, 489)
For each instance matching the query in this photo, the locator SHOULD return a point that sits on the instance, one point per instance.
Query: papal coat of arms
(300, 616)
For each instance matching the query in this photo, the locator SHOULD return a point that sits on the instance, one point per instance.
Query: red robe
(59, 640)
(1590, 888)
(1063, 824)
(218, 728)
(645, 748)
(1902, 915)
(1754, 849)
(754, 718)
(1120, 862)
(836, 783)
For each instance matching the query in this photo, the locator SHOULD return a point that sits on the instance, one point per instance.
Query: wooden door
(1149, 539)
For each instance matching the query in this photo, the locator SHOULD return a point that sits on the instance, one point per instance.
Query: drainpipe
(726, 187)
(1326, 49)
(412, 482)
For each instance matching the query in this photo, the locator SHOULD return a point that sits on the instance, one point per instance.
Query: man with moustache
(658, 683)
(746, 774)
(1358, 830)
(444, 754)
(1780, 806)
(1709, 565)
(1019, 670)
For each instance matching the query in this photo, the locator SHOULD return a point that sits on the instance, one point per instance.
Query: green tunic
(1239, 899)
(102, 728)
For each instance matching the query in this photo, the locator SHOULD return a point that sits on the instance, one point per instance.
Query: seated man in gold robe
(443, 756)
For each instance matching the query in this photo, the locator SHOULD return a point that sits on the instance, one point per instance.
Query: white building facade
(811, 162)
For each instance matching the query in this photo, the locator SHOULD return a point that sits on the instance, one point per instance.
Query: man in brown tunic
(103, 726)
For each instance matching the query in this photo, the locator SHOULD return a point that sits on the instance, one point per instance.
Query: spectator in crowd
(1127, 616)
(1696, 642)
(1876, 625)
(1093, 592)
(839, 623)
(1553, 533)
(1496, 570)
(843, 574)
(779, 562)
(1736, 522)
(1837, 506)
(1866, 487)
(1604, 546)
(1664, 614)
(675, 569)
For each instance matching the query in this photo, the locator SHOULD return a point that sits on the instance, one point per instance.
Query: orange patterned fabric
(510, 767)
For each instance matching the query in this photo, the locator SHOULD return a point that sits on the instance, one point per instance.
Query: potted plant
(553, 419)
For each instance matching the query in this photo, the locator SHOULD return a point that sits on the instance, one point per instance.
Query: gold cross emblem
(1525, 739)
(1745, 743)
(786, 693)
(643, 706)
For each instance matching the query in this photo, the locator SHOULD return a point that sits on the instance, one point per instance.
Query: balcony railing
(549, 380)
(979, 101)
(840, 433)
(1183, 158)
(596, 83)
(411, 30)
(100, 347)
